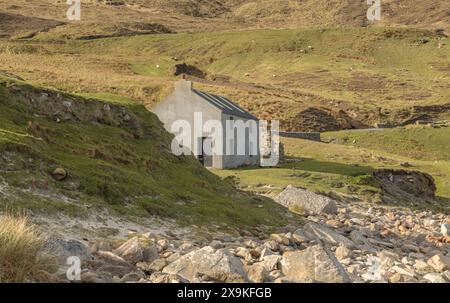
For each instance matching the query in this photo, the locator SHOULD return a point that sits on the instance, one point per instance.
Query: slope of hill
(204, 15)
(310, 79)
(116, 157)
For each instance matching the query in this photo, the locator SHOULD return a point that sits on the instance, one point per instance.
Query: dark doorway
(206, 158)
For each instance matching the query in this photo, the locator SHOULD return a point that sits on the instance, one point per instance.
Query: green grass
(109, 167)
(346, 165)
(421, 142)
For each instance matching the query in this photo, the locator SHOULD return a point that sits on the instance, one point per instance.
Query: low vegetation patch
(20, 245)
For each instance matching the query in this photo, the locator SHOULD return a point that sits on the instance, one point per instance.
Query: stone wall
(313, 136)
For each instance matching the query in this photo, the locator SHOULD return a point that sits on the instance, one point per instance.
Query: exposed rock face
(306, 200)
(403, 184)
(315, 263)
(213, 265)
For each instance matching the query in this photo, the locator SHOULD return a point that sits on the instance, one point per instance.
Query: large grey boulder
(328, 235)
(314, 264)
(208, 263)
(65, 248)
(305, 200)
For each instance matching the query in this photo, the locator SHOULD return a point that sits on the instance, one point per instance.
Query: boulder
(65, 248)
(271, 262)
(218, 265)
(326, 234)
(305, 200)
(314, 264)
(131, 251)
(280, 238)
(150, 253)
(439, 262)
(434, 278)
(257, 273)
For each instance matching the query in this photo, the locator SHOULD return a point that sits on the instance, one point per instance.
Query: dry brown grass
(20, 245)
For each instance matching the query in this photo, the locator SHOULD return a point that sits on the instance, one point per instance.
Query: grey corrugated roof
(225, 105)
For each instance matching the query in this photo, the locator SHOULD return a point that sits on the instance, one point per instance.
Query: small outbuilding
(217, 131)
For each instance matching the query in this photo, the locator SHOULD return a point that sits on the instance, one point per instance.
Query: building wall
(234, 161)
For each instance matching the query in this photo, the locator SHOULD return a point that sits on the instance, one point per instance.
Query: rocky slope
(354, 243)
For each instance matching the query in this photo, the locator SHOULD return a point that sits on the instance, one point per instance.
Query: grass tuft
(20, 245)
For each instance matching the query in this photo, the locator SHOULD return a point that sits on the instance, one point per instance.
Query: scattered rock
(342, 252)
(131, 251)
(328, 235)
(280, 238)
(218, 265)
(306, 200)
(445, 229)
(59, 174)
(439, 263)
(257, 273)
(315, 263)
(434, 278)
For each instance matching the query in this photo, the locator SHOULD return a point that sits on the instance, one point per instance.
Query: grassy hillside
(117, 157)
(204, 15)
(310, 79)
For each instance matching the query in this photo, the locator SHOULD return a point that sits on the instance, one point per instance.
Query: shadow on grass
(312, 165)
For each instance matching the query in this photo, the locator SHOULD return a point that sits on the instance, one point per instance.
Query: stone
(159, 277)
(305, 200)
(60, 174)
(173, 257)
(257, 273)
(216, 244)
(95, 277)
(396, 278)
(328, 235)
(150, 253)
(251, 243)
(362, 242)
(163, 244)
(158, 265)
(272, 245)
(131, 251)
(265, 252)
(314, 264)
(422, 266)
(403, 271)
(445, 229)
(300, 237)
(243, 253)
(218, 265)
(271, 262)
(342, 252)
(65, 248)
(434, 278)
(131, 277)
(439, 262)
(280, 238)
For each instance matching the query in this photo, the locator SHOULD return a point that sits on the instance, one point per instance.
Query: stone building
(232, 142)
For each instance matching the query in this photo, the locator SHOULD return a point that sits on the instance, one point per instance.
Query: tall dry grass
(20, 245)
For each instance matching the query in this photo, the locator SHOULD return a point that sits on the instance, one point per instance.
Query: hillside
(204, 15)
(310, 79)
(116, 157)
